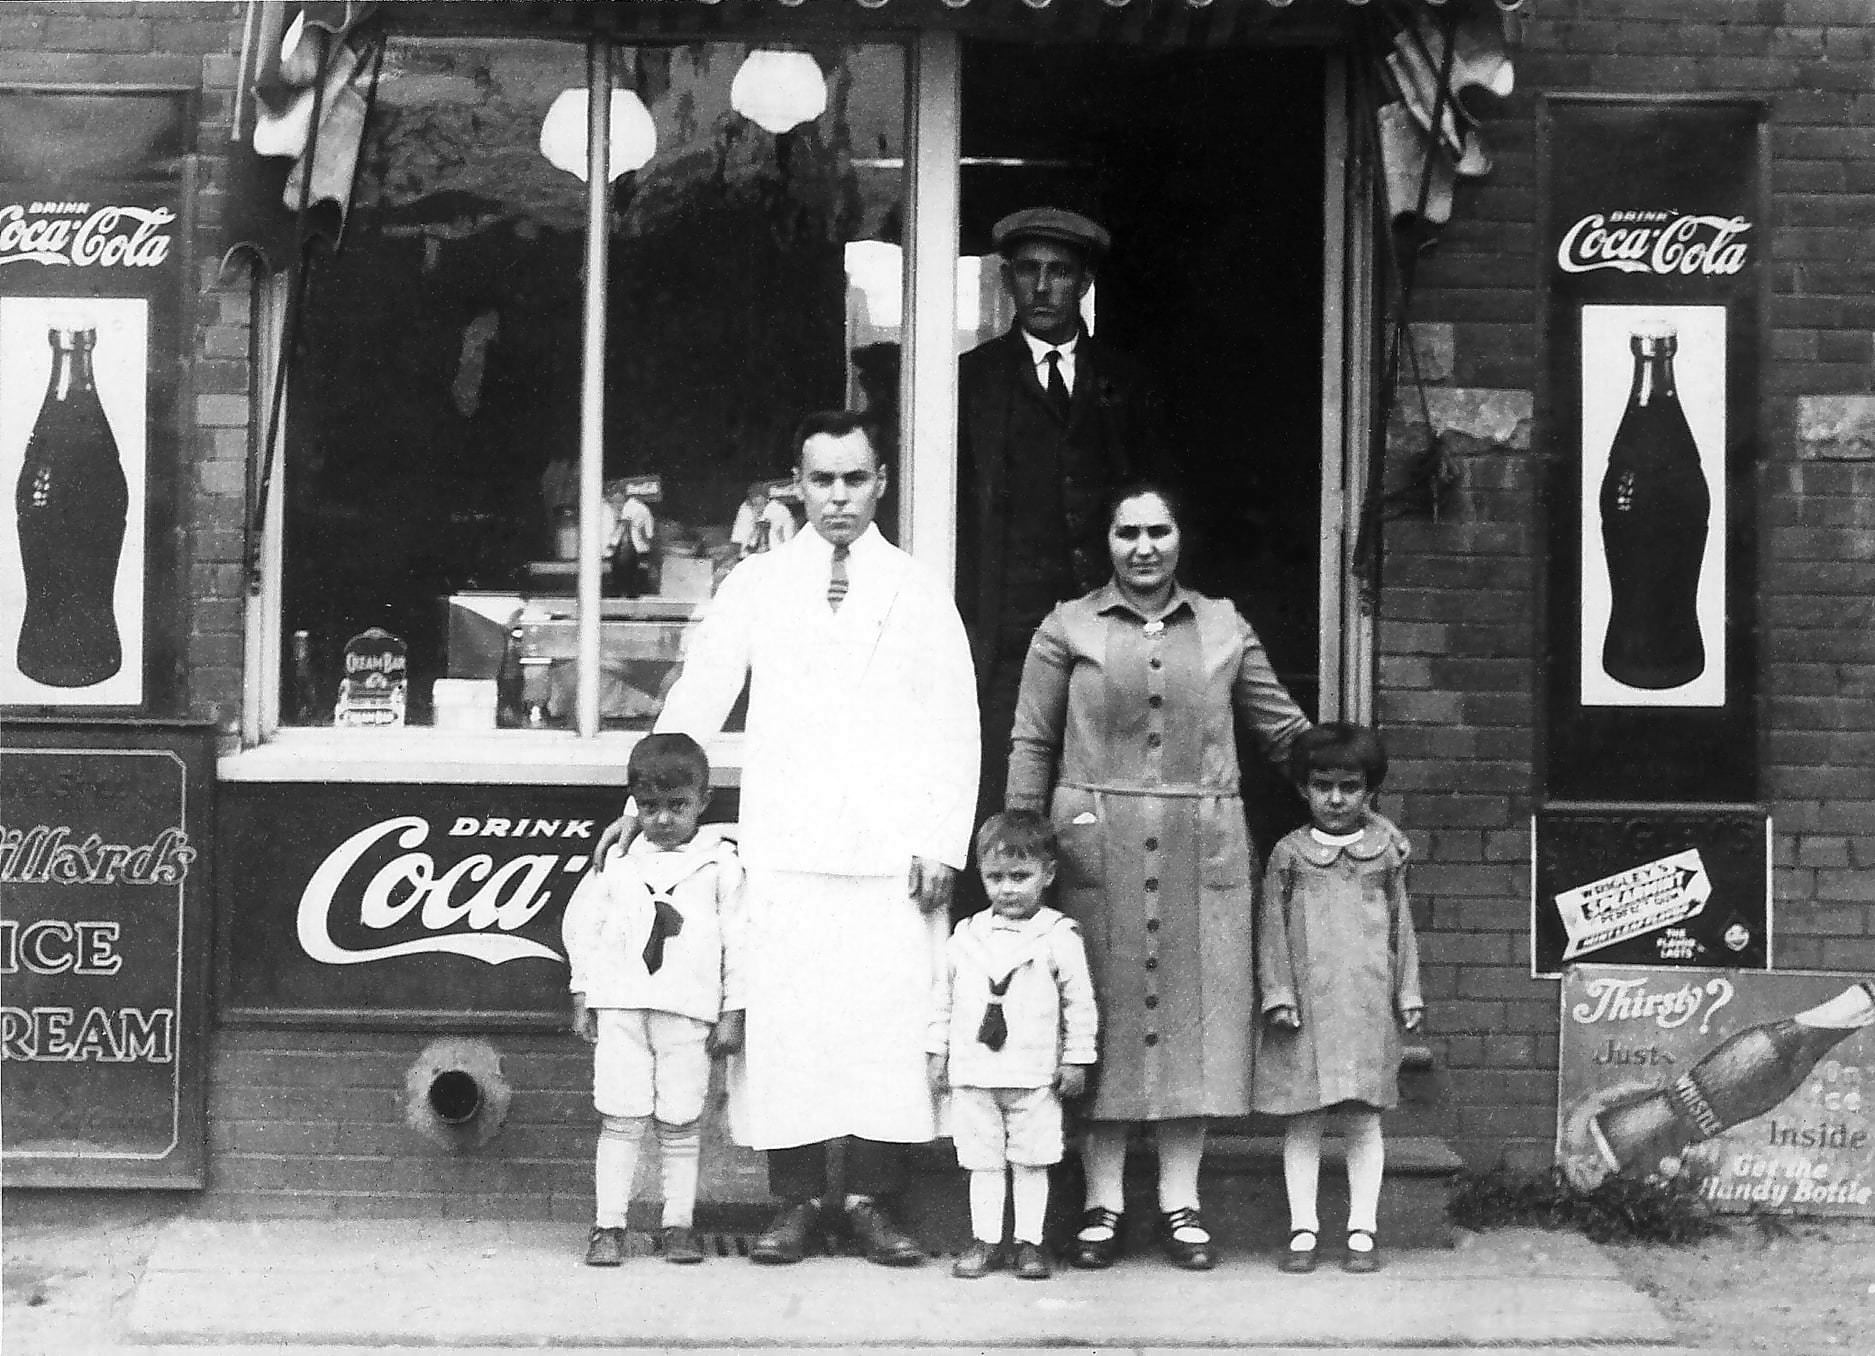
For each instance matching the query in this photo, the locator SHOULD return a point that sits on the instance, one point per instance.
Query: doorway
(1207, 167)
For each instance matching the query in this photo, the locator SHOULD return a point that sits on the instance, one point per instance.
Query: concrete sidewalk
(431, 1284)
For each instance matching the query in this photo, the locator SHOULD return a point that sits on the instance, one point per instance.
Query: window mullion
(592, 377)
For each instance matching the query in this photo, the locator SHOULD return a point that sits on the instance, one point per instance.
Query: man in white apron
(858, 789)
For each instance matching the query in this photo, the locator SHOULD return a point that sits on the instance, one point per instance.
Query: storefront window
(434, 442)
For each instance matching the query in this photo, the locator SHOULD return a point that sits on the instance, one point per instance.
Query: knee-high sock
(1302, 1166)
(1031, 1188)
(616, 1163)
(1181, 1149)
(1103, 1157)
(1367, 1162)
(986, 1204)
(680, 1148)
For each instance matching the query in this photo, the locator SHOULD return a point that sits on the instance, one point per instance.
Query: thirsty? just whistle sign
(362, 902)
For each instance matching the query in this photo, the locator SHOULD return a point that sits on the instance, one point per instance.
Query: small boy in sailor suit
(1012, 1033)
(653, 941)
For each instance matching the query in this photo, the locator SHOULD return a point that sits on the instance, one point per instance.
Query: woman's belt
(1187, 790)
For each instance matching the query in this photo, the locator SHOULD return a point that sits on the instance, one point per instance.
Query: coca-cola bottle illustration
(72, 501)
(1655, 505)
(1745, 1075)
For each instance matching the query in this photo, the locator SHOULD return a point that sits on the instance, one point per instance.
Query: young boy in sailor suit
(653, 942)
(1012, 1033)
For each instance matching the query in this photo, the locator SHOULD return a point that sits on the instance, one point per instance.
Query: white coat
(861, 754)
(862, 732)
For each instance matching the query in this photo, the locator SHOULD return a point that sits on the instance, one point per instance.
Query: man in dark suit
(1051, 420)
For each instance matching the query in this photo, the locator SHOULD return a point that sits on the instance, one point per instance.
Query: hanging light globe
(778, 91)
(632, 138)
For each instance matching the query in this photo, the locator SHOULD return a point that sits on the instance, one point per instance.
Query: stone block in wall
(1466, 419)
(1434, 348)
(1836, 427)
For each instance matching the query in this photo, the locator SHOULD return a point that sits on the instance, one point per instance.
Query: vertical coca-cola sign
(1654, 258)
(89, 285)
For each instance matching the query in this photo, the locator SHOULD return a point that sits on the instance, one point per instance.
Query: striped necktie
(836, 580)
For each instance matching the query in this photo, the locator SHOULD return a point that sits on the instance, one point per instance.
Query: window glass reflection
(433, 429)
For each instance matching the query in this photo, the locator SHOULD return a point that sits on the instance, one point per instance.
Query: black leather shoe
(679, 1244)
(883, 1241)
(1298, 1261)
(978, 1260)
(1031, 1263)
(606, 1248)
(1097, 1254)
(1366, 1261)
(785, 1239)
(1195, 1256)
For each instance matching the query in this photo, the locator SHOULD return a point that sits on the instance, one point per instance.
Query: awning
(1419, 62)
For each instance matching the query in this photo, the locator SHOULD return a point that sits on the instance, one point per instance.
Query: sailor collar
(977, 929)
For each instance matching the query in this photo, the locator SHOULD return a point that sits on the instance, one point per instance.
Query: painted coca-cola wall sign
(1656, 247)
(436, 905)
(103, 952)
(1663, 243)
(1758, 1089)
(89, 284)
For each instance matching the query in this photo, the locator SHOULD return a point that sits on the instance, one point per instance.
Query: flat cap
(1050, 223)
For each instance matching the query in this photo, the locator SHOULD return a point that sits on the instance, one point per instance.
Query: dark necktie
(1057, 386)
(836, 579)
(995, 1029)
(666, 923)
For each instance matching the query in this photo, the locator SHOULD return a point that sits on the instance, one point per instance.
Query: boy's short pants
(650, 1064)
(992, 1127)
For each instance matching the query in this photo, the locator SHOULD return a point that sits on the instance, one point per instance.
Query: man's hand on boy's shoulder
(726, 1035)
(618, 834)
(937, 1071)
(585, 1020)
(1071, 1080)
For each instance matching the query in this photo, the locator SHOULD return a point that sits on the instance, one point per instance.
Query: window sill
(431, 756)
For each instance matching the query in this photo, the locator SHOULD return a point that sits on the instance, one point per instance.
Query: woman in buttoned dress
(1126, 734)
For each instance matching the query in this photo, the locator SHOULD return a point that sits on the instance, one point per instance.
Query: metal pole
(592, 374)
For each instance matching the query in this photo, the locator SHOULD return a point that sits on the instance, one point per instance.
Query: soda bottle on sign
(1655, 505)
(1745, 1075)
(72, 501)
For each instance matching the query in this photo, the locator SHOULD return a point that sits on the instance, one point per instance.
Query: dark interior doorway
(1208, 169)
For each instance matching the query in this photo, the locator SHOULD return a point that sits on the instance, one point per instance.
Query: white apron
(838, 1004)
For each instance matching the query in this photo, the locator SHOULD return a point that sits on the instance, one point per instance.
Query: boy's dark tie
(666, 923)
(994, 1030)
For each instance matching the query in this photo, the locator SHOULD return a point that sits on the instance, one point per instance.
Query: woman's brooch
(1153, 628)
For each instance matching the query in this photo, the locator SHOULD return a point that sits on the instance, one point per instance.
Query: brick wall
(1457, 637)
(319, 1123)
(189, 44)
